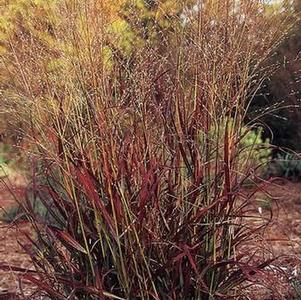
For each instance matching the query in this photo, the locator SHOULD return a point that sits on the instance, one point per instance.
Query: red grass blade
(66, 238)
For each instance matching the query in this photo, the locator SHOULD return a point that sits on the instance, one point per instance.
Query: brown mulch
(284, 232)
(11, 253)
(282, 238)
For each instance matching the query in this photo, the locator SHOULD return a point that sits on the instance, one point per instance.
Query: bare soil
(282, 238)
(11, 238)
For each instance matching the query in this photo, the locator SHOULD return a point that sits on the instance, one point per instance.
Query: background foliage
(281, 90)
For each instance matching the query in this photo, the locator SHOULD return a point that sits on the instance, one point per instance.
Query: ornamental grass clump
(132, 114)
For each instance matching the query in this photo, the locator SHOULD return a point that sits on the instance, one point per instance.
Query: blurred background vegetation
(133, 24)
(281, 92)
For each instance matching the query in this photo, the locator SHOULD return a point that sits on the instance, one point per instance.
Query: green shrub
(287, 166)
(6, 161)
(252, 151)
(261, 152)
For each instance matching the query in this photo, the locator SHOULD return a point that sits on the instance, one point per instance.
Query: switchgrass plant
(135, 143)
